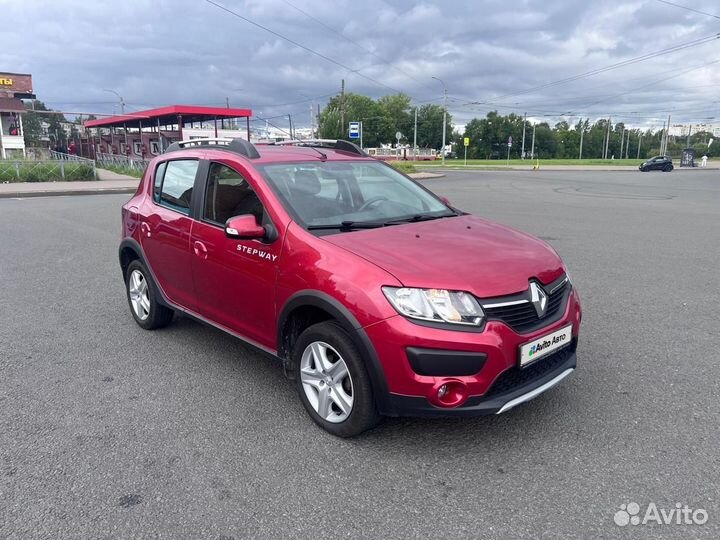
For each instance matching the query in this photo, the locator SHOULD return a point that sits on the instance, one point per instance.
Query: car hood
(460, 253)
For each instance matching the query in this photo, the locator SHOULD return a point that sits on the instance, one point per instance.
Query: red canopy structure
(142, 134)
(171, 115)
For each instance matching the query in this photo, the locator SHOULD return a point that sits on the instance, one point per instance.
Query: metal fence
(47, 170)
(117, 160)
(60, 156)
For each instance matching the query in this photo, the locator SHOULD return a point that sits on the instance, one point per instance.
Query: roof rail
(237, 145)
(335, 144)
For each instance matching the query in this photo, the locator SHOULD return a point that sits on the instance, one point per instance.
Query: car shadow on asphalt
(543, 418)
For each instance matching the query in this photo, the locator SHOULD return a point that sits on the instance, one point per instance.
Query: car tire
(142, 295)
(329, 369)
(667, 168)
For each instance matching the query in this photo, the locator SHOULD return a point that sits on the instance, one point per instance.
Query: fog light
(448, 393)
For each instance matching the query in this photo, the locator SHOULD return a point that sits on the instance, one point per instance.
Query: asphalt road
(109, 431)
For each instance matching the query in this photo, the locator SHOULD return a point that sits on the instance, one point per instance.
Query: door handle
(145, 229)
(200, 249)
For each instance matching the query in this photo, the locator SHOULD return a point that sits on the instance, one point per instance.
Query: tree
(383, 118)
(357, 109)
(32, 125)
(429, 130)
(394, 117)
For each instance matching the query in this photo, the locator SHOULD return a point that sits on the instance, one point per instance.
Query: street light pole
(532, 148)
(415, 136)
(444, 116)
(122, 101)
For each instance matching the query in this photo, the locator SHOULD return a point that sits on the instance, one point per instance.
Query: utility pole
(662, 140)
(415, 136)
(292, 136)
(532, 148)
(522, 151)
(667, 136)
(639, 142)
(444, 116)
(582, 133)
(312, 127)
(622, 142)
(227, 102)
(318, 120)
(607, 140)
(627, 145)
(342, 107)
(689, 131)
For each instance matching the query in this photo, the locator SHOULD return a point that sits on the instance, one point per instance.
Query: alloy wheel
(326, 381)
(139, 295)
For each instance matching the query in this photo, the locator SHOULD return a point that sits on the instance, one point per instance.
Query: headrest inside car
(307, 183)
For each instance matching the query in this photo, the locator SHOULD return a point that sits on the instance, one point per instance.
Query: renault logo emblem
(538, 297)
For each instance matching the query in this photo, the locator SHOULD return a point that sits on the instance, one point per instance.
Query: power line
(653, 83)
(300, 45)
(343, 36)
(689, 9)
(642, 58)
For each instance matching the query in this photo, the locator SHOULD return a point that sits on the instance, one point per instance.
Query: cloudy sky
(492, 54)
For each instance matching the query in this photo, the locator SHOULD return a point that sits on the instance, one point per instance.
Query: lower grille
(515, 377)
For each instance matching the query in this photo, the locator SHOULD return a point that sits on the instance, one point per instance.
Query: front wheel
(332, 381)
(668, 168)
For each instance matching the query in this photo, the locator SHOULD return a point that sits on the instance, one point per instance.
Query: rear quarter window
(177, 184)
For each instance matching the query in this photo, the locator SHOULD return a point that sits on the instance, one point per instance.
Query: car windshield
(327, 194)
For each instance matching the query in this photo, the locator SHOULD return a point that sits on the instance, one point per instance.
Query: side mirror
(445, 200)
(243, 227)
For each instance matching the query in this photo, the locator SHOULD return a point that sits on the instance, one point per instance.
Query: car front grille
(522, 317)
(516, 377)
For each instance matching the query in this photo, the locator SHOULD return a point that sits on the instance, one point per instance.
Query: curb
(66, 193)
(425, 175)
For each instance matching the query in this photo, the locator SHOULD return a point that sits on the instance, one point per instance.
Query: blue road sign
(354, 130)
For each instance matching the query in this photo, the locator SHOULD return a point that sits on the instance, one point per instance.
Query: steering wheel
(367, 204)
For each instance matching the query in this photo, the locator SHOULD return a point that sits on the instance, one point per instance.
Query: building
(682, 130)
(14, 87)
(144, 134)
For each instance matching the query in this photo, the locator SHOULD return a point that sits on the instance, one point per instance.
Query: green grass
(129, 171)
(29, 171)
(528, 162)
(404, 166)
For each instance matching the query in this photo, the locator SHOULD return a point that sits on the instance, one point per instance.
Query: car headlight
(436, 305)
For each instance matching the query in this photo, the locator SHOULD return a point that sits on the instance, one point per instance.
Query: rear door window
(177, 184)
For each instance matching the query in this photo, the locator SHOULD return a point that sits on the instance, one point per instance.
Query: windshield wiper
(418, 217)
(347, 225)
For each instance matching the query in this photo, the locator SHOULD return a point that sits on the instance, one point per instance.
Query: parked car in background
(657, 163)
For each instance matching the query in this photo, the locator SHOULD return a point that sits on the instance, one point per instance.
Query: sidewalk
(108, 183)
(500, 167)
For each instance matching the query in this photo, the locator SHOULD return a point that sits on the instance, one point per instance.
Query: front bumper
(559, 365)
(500, 383)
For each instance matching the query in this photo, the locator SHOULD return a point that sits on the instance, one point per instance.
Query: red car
(378, 296)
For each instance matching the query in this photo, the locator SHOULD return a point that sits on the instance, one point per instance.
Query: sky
(504, 55)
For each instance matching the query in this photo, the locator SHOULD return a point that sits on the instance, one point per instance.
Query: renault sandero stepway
(379, 297)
